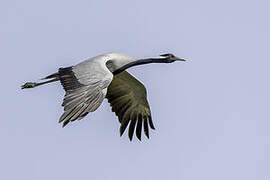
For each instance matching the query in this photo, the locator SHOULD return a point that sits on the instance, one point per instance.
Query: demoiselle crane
(104, 76)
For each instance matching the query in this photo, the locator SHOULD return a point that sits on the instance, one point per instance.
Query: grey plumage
(86, 86)
(89, 82)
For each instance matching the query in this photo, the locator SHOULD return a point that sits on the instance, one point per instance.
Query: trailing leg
(51, 78)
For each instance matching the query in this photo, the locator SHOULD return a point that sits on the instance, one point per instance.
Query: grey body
(87, 84)
(94, 77)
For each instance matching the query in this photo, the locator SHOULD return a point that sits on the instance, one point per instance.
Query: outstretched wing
(128, 99)
(86, 87)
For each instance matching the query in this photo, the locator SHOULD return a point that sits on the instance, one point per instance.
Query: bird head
(163, 58)
(169, 58)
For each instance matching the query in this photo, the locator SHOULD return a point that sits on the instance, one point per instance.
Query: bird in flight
(88, 83)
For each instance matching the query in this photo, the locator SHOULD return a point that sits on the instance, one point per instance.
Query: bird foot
(29, 85)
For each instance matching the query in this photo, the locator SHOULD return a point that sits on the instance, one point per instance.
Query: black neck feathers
(136, 63)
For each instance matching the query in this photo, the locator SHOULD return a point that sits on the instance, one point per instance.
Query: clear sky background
(211, 113)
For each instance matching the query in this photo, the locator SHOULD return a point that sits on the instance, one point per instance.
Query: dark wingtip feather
(145, 127)
(123, 127)
(121, 131)
(65, 123)
(132, 127)
(139, 127)
(151, 123)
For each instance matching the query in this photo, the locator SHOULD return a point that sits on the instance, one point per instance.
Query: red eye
(170, 55)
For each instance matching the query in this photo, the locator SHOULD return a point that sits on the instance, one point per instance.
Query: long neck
(138, 62)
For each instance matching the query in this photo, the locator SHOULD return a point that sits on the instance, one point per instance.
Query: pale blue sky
(211, 113)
